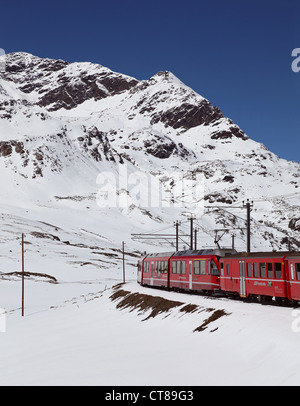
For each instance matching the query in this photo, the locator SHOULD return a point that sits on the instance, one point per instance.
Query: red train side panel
(187, 270)
(155, 270)
(257, 274)
(195, 272)
(293, 275)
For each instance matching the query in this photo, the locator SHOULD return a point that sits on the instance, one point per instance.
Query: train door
(229, 270)
(139, 272)
(226, 276)
(152, 271)
(242, 279)
(190, 274)
(294, 267)
(292, 277)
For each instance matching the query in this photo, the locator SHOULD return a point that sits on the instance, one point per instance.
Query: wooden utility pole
(191, 218)
(248, 206)
(191, 233)
(177, 234)
(195, 242)
(123, 249)
(22, 274)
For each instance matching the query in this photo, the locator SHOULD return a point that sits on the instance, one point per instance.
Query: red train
(264, 276)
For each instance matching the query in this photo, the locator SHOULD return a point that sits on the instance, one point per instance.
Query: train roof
(272, 254)
(207, 251)
(293, 254)
(187, 253)
(160, 254)
(226, 253)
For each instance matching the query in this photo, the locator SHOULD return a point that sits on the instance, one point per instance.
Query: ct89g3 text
(171, 395)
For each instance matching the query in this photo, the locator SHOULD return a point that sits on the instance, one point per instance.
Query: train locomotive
(262, 276)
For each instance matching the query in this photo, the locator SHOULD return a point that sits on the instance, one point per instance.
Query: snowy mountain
(87, 158)
(161, 149)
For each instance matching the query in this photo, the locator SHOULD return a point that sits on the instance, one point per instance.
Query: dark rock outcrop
(187, 116)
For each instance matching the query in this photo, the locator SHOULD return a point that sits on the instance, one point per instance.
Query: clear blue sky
(236, 53)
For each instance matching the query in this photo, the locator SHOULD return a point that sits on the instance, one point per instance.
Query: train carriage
(196, 270)
(154, 269)
(259, 274)
(139, 271)
(293, 275)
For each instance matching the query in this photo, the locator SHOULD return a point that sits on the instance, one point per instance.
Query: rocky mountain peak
(62, 124)
(56, 84)
(167, 77)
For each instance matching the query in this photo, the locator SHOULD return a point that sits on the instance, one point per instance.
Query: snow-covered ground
(73, 334)
(63, 128)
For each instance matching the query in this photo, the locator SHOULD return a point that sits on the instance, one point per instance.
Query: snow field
(86, 340)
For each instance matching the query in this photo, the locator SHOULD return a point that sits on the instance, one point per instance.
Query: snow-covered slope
(193, 341)
(88, 157)
(62, 124)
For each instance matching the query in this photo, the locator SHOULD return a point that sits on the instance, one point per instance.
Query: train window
(197, 267)
(270, 270)
(178, 267)
(298, 271)
(182, 267)
(278, 272)
(228, 269)
(255, 269)
(292, 271)
(202, 267)
(161, 266)
(249, 269)
(146, 267)
(262, 267)
(214, 269)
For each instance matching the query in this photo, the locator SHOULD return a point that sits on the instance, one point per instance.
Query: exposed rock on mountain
(62, 124)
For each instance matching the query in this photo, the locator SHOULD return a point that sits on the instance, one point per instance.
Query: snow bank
(89, 341)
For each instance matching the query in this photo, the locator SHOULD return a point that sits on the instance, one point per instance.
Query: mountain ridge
(62, 120)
